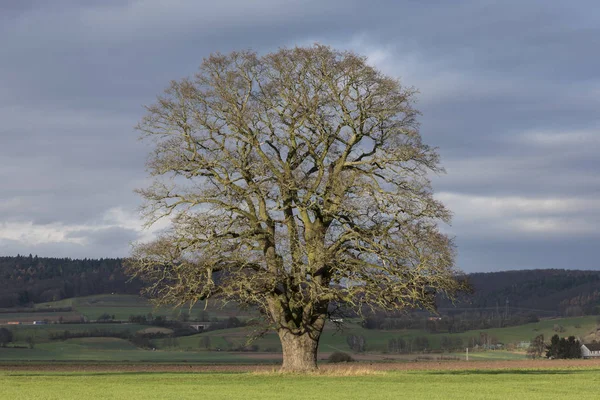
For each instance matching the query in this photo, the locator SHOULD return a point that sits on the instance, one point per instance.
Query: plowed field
(407, 366)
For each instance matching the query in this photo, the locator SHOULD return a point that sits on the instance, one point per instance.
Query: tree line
(31, 279)
(25, 280)
(558, 348)
(565, 292)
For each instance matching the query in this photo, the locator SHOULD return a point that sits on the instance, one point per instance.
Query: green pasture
(196, 348)
(99, 343)
(331, 341)
(575, 326)
(41, 333)
(220, 343)
(377, 340)
(98, 299)
(121, 351)
(489, 355)
(122, 306)
(39, 316)
(224, 339)
(576, 383)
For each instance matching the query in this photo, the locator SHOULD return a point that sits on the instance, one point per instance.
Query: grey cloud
(115, 238)
(74, 77)
(63, 250)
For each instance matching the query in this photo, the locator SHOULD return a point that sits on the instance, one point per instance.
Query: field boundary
(406, 366)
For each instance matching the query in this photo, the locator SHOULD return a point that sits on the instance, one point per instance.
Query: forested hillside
(565, 292)
(31, 279)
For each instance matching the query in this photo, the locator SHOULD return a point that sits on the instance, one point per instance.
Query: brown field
(363, 366)
(155, 329)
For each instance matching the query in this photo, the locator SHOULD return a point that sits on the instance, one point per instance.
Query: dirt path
(407, 366)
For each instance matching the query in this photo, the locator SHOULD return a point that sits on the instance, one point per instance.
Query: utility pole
(498, 315)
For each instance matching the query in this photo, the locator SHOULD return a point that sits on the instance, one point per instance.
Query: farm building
(590, 350)
(200, 326)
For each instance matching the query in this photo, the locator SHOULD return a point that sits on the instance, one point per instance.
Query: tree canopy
(560, 348)
(293, 180)
(6, 336)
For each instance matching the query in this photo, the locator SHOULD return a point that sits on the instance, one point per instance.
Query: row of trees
(563, 347)
(565, 292)
(26, 279)
(31, 279)
(558, 348)
(408, 345)
(448, 322)
(357, 343)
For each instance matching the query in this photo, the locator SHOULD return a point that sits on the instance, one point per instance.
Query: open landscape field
(102, 360)
(474, 380)
(112, 341)
(122, 306)
(334, 339)
(275, 200)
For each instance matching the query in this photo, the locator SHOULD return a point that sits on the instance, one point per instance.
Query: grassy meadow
(33, 379)
(557, 383)
(377, 340)
(216, 349)
(222, 346)
(123, 306)
(69, 352)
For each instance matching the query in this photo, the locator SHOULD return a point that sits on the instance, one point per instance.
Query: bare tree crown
(293, 180)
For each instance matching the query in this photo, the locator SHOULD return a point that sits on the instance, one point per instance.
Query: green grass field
(377, 340)
(193, 348)
(221, 343)
(122, 306)
(67, 351)
(41, 333)
(575, 383)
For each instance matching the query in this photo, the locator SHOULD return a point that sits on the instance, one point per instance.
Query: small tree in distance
(6, 336)
(205, 342)
(537, 347)
(293, 180)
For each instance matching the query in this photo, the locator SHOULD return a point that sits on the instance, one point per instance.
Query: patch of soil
(154, 330)
(406, 366)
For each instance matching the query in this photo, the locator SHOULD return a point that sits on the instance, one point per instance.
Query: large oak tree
(294, 181)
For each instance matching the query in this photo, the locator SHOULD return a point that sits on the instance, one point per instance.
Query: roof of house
(592, 346)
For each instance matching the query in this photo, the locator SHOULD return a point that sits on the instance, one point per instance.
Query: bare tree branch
(293, 180)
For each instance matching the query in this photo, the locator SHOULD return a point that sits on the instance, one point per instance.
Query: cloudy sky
(510, 93)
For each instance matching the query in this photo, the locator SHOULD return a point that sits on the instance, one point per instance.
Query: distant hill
(565, 292)
(31, 279)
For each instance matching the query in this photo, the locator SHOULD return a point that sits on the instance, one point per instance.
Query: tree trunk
(299, 351)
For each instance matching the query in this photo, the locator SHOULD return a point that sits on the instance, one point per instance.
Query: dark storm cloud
(509, 93)
(570, 253)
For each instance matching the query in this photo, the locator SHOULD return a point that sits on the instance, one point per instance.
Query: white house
(590, 350)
